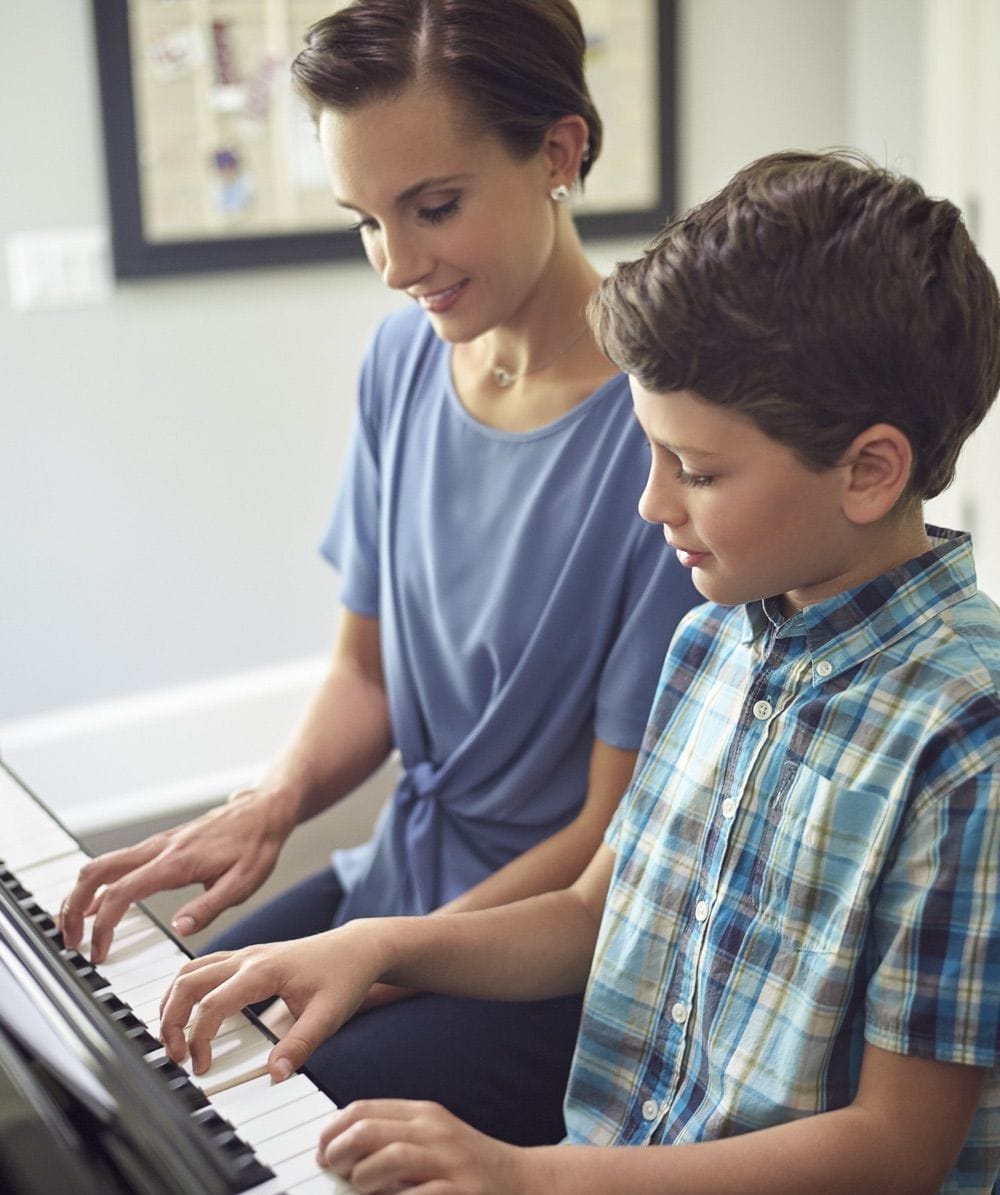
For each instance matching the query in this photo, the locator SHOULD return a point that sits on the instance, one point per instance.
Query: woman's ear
(564, 146)
(879, 463)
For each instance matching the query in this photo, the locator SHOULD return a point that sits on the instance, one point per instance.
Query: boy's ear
(879, 462)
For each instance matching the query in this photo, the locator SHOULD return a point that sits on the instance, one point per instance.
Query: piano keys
(228, 1130)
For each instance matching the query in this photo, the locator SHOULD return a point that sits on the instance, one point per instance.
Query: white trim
(160, 753)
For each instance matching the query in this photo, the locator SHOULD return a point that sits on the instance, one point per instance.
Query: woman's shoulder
(405, 361)
(403, 333)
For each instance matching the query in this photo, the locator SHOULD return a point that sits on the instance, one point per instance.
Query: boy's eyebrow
(687, 449)
(410, 193)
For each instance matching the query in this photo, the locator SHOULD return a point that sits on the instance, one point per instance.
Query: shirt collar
(847, 628)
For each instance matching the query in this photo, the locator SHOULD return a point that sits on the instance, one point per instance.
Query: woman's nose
(403, 262)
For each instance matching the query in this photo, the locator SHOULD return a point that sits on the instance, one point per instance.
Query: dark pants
(501, 1067)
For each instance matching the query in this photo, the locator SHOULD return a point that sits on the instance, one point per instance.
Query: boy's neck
(882, 546)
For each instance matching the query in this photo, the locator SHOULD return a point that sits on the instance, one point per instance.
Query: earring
(559, 194)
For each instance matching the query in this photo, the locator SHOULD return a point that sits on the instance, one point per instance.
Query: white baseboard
(161, 753)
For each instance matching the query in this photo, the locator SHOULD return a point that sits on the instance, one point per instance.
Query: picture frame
(211, 162)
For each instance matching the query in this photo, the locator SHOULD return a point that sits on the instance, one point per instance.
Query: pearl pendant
(503, 377)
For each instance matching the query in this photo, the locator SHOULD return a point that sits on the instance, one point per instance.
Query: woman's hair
(516, 66)
(817, 294)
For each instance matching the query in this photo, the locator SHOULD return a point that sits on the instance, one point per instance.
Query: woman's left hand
(384, 1146)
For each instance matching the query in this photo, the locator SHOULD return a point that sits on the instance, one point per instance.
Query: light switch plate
(68, 267)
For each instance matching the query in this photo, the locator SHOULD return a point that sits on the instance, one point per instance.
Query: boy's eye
(693, 479)
(434, 215)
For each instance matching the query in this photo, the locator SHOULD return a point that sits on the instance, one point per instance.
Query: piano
(89, 1101)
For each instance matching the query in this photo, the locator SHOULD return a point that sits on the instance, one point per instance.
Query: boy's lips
(688, 557)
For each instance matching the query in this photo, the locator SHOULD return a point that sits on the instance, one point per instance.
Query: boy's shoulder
(954, 660)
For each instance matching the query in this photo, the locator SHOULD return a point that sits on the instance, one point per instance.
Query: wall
(167, 459)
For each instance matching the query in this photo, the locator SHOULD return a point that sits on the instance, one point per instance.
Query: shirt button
(701, 911)
(650, 1110)
(762, 710)
(729, 807)
(679, 1013)
(824, 668)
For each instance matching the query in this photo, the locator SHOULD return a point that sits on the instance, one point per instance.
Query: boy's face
(739, 508)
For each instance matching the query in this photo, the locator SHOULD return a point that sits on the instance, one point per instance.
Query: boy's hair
(515, 66)
(817, 294)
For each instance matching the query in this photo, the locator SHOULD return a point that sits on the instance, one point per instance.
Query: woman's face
(445, 214)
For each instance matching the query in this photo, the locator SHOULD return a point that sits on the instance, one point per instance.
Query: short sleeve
(936, 926)
(658, 595)
(351, 542)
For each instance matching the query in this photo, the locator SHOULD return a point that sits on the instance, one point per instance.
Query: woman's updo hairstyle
(515, 66)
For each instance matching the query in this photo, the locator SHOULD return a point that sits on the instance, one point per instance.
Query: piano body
(89, 1102)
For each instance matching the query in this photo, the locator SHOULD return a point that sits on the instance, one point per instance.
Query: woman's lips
(439, 301)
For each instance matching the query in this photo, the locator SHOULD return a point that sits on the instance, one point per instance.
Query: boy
(792, 934)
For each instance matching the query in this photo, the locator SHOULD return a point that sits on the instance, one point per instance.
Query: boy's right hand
(231, 850)
(322, 979)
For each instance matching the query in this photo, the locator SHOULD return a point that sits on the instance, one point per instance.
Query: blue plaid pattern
(808, 859)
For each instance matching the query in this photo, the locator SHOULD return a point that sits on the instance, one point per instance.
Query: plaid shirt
(808, 859)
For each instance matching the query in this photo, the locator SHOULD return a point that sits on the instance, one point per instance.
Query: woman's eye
(434, 215)
(693, 479)
(363, 224)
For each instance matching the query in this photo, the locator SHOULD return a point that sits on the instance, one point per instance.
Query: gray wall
(167, 459)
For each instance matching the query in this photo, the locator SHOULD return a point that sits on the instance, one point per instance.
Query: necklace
(504, 378)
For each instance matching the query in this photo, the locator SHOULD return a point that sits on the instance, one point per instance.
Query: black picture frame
(135, 255)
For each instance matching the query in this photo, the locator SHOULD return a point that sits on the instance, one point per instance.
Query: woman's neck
(540, 364)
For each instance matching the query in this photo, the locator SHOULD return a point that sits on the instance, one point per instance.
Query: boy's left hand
(385, 1146)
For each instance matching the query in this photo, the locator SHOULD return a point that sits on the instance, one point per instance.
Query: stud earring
(559, 194)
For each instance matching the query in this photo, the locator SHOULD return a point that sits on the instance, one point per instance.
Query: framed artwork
(213, 163)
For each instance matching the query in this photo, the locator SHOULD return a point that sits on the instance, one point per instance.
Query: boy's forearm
(804, 1158)
(900, 1136)
(530, 950)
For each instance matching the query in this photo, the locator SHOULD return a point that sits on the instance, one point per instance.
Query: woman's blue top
(524, 609)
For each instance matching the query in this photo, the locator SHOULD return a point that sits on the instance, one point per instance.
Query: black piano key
(251, 1172)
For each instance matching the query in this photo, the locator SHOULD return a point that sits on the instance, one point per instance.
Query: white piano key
(300, 1138)
(236, 1057)
(299, 1168)
(149, 1013)
(148, 1010)
(148, 958)
(45, 871)
(42, 843)
(240, 1105)
(50, 882)
(133, 925)
(144, 992)
(281, 1121)
(270, 1187)
(323, 1183)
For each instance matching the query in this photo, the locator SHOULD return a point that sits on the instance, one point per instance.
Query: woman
(504, 608)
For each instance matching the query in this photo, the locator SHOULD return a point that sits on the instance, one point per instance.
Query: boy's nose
(662, 501)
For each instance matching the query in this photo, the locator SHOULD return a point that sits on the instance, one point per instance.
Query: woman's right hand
(231, 850)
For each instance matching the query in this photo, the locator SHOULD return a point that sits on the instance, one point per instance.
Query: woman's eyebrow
(410, 193)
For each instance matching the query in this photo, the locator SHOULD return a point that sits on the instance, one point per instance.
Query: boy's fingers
(310, 1030)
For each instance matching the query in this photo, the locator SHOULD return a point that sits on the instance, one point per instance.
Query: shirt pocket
(826, 854)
